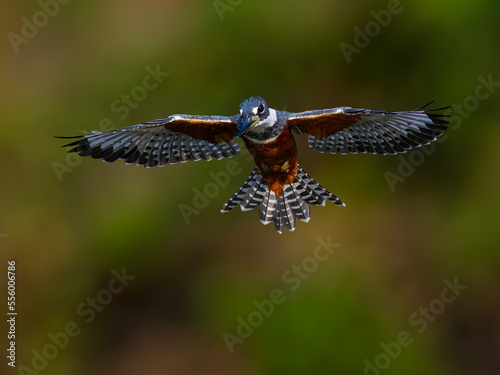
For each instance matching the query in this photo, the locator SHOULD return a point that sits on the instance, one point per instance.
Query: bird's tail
(284, 210)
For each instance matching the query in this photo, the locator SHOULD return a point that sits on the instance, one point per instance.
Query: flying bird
(278, 186)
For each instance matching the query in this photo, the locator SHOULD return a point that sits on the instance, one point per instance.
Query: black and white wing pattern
(349, 130)
(174, 139)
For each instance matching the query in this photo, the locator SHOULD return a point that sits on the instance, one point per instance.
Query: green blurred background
(70, 222)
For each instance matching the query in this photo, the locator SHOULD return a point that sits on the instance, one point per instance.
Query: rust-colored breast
(324, 125)
(276, 160)
(214, 132)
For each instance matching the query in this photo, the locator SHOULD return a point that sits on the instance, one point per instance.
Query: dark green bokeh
(193, 280)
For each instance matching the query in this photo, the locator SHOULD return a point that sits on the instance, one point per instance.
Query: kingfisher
(278, 186)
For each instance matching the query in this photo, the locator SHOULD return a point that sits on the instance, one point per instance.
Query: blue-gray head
(252, 111)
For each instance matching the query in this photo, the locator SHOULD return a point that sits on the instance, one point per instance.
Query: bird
(278, 185)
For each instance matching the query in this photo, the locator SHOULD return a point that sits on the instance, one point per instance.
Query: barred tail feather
(237, 198)
(268, 209)
(316, 194)
(284, 210)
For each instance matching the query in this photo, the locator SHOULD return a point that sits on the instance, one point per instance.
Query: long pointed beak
(245, 123)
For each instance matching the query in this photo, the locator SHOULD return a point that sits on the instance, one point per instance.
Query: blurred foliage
(193, 280)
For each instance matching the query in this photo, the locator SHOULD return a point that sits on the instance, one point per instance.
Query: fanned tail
(284, 210)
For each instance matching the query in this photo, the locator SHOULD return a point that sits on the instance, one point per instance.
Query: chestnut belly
(276, 160)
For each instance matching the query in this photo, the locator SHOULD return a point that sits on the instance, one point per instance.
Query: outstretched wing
(175, 139)
(349, 130)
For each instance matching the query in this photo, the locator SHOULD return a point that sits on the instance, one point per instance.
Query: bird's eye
(261, 108)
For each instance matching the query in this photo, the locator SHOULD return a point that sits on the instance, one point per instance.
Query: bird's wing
(175, 139)
(350, 130)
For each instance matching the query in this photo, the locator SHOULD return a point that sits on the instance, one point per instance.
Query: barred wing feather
(175, 139)
(349, 130)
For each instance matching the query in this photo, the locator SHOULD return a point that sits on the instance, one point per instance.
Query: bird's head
(252, 112)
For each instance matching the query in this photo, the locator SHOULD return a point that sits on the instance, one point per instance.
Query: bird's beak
(245, 123)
